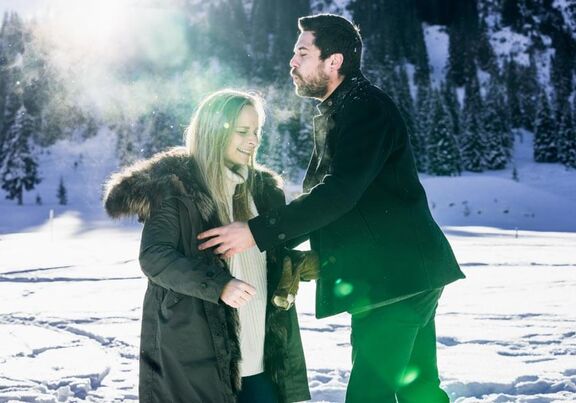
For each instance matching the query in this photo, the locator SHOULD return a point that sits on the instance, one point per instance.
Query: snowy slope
(543, 198)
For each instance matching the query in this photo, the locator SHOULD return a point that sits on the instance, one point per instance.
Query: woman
(209, 332)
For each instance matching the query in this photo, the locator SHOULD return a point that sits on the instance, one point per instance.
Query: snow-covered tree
(451, 100)
(443, 154)
(419, 139)
(511, 76)
(545, 132)
(473, 142)
(496, 127)
(405, 103)
(567, 139)
(528, 91)
(485, 52)
(19, 171)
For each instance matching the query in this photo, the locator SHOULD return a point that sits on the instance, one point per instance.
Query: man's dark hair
(335, 34)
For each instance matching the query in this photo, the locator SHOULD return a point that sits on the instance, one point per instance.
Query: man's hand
(237, 293)
(230, 239)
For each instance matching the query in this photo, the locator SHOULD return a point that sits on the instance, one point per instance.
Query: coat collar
(336, 99)
(140, 188)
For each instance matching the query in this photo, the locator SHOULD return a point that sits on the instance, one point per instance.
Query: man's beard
(314, 87)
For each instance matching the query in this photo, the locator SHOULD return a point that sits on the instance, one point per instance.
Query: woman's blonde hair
(207, 138)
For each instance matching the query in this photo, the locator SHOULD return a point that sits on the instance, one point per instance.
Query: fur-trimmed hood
(140, 188)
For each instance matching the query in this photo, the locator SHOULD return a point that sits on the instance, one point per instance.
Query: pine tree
(513, 93)
(486, 56)
(457, 56)
(496, 127)
(473, 142)
(545, 132)
(62, 193)
(422, 62)
(453, 106)
(570, 153)
(511, 15)
(529, 88)
(20, 169)
(567, 139)
(419, 139)
(561, 71)
(12, 105)
(443, 154)
(163, 131)
(406, 106)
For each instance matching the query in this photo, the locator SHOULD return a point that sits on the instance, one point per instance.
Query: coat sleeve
(366, 140)
(165, 265)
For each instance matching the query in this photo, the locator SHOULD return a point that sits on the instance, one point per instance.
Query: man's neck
(332, 85)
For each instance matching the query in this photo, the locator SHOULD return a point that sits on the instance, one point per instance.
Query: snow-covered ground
(71, 290)
(70, 301)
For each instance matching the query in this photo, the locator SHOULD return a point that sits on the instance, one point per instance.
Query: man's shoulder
(368, 97)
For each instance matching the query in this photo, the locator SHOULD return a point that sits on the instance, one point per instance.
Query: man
(382, 256)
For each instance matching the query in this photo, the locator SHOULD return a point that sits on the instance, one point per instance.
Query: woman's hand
(237, 293)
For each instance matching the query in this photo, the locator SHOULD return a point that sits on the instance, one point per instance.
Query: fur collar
(140, 188)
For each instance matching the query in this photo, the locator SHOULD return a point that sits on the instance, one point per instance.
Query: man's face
(309, 73)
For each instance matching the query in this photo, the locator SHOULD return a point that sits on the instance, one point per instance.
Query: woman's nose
(253, 140)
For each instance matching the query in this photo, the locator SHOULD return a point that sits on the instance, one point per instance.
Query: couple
(214, 244)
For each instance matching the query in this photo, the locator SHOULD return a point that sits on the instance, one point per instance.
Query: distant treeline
(466, 122)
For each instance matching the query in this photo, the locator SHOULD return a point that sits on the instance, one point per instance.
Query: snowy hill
(543, 198)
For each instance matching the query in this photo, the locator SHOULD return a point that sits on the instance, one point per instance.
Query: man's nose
(293, 62)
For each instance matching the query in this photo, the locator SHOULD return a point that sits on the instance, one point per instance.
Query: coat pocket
(170, 299)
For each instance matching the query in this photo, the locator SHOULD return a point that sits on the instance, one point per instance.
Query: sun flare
(92, 24)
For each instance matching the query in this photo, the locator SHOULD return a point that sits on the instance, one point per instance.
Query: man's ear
(336, 61)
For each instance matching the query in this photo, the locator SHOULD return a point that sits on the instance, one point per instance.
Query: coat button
(203, 285)
(272, 221)
(281, 237)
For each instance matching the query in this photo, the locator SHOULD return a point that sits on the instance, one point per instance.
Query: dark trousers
(394, 353)
(258, 389)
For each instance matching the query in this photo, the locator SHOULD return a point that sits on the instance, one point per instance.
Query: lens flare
(409, 376)
(342, 288)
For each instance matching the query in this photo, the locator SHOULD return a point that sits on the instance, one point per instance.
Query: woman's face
(244, 139)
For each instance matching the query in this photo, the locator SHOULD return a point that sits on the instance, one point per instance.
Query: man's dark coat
(365, 210)
(189, 348)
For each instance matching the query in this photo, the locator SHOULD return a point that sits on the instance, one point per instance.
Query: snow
(568, 9)
(71, 290)
(508, 43)
(69, 314)
(437, 41)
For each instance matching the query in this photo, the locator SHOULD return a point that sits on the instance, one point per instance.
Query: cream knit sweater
(249, 266)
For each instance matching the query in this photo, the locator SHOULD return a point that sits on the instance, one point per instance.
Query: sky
(26, 8)
(33, 8)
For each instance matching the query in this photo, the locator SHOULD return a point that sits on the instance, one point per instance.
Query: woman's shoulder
(268, 177)
(141, 187)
